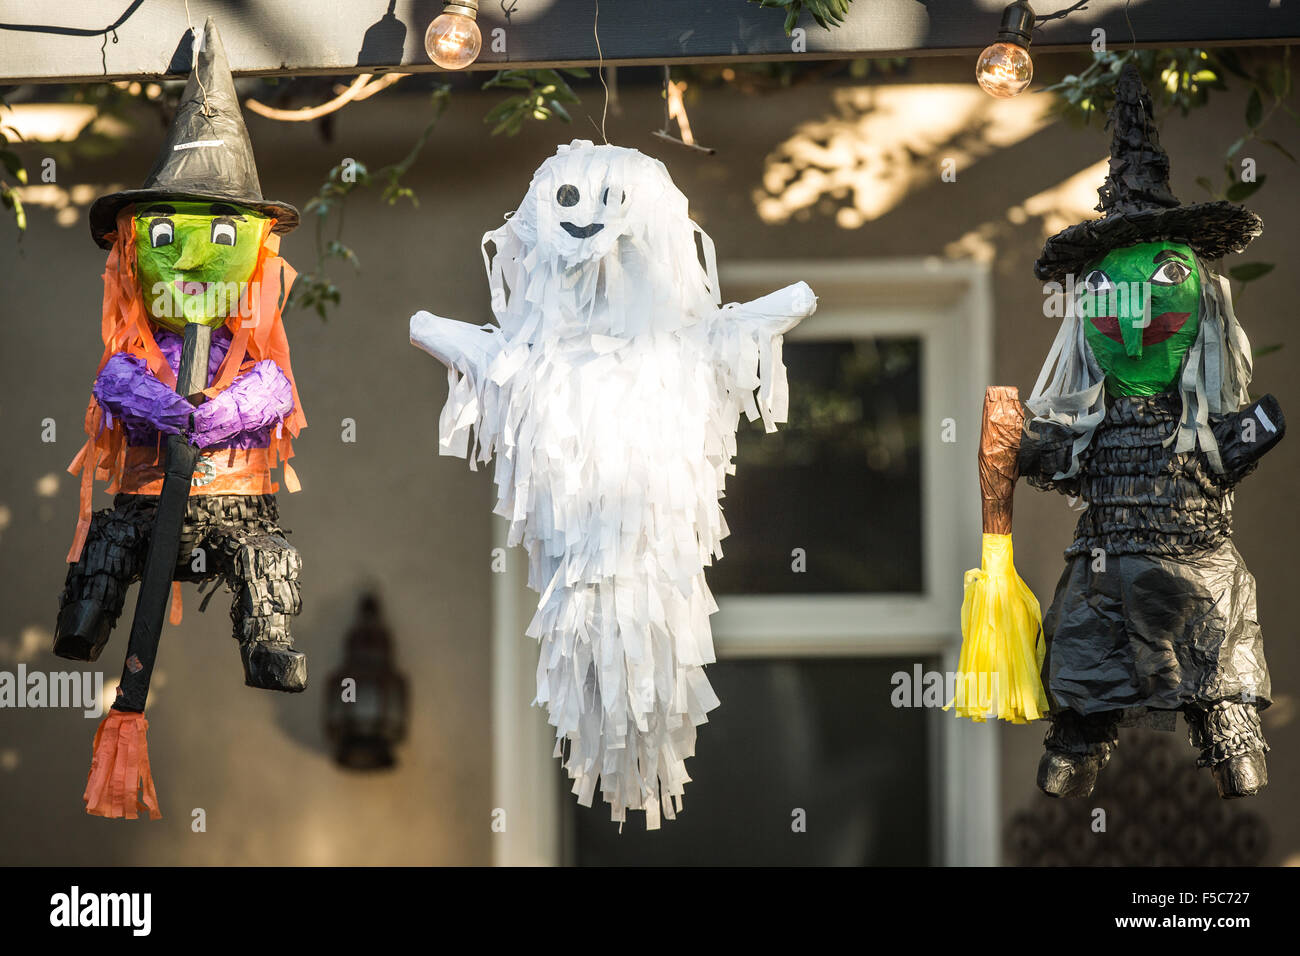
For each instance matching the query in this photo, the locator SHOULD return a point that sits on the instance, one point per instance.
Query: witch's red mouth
(1162, 327)
(186, 287)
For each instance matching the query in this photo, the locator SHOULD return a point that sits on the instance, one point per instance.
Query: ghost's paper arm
(469, 349)
(775, 313)
(746, 338)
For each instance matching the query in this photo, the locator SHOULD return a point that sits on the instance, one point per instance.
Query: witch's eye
(223, 232)
(1171, 273)
(1095, 282)
(161, 232)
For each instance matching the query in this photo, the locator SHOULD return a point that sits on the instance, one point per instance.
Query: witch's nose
(189, 257)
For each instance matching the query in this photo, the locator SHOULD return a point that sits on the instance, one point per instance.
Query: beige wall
(387, 510)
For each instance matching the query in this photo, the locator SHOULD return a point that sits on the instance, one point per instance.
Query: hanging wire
(194, 61)
(1063, 13)
(600, 70)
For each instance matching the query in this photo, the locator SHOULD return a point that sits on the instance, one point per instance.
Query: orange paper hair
(257, 334)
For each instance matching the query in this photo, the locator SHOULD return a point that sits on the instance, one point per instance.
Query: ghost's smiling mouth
(582, 232)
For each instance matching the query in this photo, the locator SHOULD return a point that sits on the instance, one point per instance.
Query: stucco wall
(387, 511)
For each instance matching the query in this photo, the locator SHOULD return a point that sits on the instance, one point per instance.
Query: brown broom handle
(999, 446)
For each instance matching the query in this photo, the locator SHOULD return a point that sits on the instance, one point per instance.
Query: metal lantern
(365, 712)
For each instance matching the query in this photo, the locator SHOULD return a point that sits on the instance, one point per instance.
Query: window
(883, 512)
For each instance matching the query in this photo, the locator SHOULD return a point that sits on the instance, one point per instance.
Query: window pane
(841, 480)
(817, 735)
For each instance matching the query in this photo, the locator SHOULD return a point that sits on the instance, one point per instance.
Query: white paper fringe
(610, 395)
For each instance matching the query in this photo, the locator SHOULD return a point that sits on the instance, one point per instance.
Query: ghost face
(1141, 305)
(581, 201)
(195, 260)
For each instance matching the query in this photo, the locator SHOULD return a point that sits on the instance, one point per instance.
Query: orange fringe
(120, 783)
(126, 327)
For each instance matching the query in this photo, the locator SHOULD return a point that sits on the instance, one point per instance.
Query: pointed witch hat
(1136, 202)
(207, 155)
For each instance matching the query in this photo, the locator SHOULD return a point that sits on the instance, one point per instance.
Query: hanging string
(194, 60)
(600, 70)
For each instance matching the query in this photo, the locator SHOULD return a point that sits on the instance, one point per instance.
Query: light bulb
(453, 39)
(1004, 69)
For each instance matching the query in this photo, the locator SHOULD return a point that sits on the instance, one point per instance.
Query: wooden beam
(69, 41)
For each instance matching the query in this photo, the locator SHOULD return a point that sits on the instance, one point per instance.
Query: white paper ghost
(610, 395)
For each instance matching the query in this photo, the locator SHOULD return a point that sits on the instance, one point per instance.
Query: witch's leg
(263, 573)
(1231, 744)
(1077, 747)
(96, 585)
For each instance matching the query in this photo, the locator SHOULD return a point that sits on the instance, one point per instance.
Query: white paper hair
(610, 393)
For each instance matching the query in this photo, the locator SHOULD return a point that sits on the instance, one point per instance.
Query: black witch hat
(1136, 202)
(207, 155)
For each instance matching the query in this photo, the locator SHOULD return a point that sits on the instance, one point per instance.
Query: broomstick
(998, 674)
(120, 762)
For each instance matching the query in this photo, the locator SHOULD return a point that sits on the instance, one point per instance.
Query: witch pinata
(1141, 412)
(193, 405)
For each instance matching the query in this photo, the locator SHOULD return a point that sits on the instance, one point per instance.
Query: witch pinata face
(195, 259)
(585, 198)
(1141, 305)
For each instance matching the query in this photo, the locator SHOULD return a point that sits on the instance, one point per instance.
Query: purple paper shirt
(242, 416)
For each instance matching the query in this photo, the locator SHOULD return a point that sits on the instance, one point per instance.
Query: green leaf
(1237, 144)
(1250, 271)
(1278, 146)
(1240, 191)
(1254, 108)
(1204, 183)
(1229, 59)
(14, 165)
(1259, 350)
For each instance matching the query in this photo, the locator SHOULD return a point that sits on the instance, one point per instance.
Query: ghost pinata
(610, 392)
(1141, 410)
(193, 405)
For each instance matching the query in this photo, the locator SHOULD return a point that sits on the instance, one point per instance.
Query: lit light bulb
(1004, 69)
(453, 39)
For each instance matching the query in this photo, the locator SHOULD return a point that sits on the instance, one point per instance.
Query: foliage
(1183, 79)
(316, 289)
(12, 173)
(542, 95)
(827, 13)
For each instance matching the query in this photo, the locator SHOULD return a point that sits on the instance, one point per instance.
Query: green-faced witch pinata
(193, 405)
(1141, 412)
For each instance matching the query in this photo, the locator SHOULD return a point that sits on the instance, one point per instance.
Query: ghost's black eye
(604, 197)
(161, 232)
(567, 195)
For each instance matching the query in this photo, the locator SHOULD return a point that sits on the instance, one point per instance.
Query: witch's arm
(258, 398)
(1045, 451)
(1244, 437)
(130, 392)
(746, 339)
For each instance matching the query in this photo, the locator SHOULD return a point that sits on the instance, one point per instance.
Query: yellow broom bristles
(998, 674)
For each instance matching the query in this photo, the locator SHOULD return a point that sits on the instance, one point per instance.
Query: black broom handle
(165, 542)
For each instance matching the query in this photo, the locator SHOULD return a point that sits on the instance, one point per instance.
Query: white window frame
(948, 306)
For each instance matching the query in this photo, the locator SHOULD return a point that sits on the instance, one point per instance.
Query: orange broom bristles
(120, 783)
